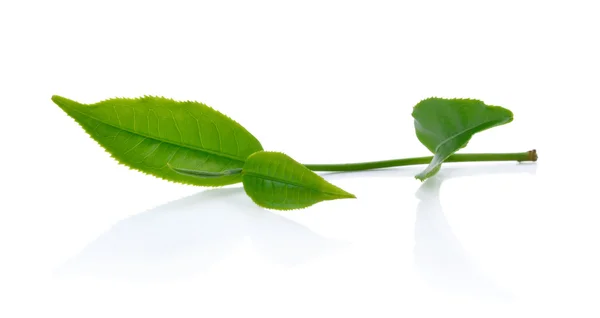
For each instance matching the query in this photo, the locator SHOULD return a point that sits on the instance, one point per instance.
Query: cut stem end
(532, 155)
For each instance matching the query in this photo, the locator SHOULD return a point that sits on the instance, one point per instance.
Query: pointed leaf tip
(63, 102)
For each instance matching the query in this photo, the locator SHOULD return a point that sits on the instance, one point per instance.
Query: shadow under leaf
(185, 237)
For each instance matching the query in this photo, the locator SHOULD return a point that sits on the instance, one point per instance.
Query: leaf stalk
(467, 157)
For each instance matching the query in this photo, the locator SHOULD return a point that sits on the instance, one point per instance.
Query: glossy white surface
(324, 82)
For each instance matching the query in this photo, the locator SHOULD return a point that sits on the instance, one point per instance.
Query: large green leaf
(152, 133)
(276, 181)
(446, 125)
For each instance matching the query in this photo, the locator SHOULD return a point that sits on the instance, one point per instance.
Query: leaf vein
(151, 152)
(176, 126)
(207, 151)
(139, 143)
(118, 118)
(287, 182)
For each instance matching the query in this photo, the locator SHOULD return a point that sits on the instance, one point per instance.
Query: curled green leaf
(206, 174)
(153, 134)
(446, 125)
(275, 181)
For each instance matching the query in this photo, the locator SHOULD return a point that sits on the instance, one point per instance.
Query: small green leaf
(446, 125)
(206, 174)
(275, 181)
(155, 134)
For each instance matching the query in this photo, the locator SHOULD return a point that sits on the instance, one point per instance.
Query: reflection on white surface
(187, 236)
(439, 256)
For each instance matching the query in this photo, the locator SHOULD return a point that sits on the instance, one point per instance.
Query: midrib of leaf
(258, 175)
(220, 154)
(464, 132)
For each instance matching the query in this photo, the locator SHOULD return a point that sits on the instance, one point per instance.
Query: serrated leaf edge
(126, 165)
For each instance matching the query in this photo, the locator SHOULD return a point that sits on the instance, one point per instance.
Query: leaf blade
(150, 133)
(445, 126)
(275, 181)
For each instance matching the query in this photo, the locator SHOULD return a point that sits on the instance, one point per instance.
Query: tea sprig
(191, 143)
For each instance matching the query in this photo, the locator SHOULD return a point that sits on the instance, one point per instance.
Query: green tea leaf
(153, 134)
(275, 181)
(446, 125)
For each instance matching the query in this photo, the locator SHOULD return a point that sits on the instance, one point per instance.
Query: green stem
(467, 157)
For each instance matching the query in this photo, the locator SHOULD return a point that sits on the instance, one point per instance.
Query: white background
(325, 82)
